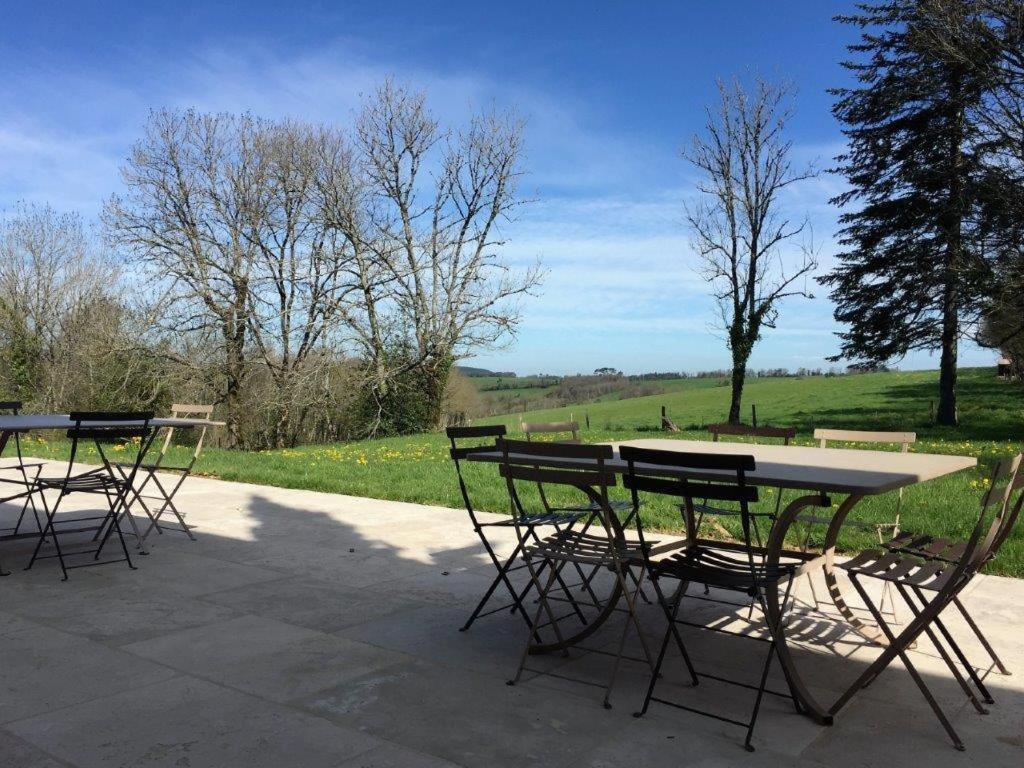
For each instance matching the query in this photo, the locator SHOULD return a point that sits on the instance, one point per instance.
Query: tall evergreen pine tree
(904, 279)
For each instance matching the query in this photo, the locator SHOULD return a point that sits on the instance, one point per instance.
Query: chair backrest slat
(682, 488)
(482, 430)
(528, 448)
(109, 425)
(711, 461)
(902, 439)
(743, 430)
(557, 475)
(569, 428)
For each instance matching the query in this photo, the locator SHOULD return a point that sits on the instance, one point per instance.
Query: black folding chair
(147, 473)
(731, 566)
(24, 479)
(582, 468)
(525, 526)
(129, 429)
(929, 587)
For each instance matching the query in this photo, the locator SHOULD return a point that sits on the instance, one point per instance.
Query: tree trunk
(953, 226)
(739, 375)
(946, 413)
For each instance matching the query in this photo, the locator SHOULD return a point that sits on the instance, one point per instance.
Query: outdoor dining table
(35, 422)
(817, 472)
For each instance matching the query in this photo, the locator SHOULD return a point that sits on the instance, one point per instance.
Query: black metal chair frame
(25, 482)
(149, 470)
(526, 527)
(916, 578)
(572, 429)
(731, 568)
(99, 427)
(581, 467)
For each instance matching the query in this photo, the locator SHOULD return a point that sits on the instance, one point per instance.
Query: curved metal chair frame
(581, 467)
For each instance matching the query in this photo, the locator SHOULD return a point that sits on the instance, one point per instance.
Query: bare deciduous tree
(737, 222)
(436, 287)
(227, 216)
(63, 332)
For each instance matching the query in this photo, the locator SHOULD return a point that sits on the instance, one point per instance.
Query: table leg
(867, 631)
(774, 607)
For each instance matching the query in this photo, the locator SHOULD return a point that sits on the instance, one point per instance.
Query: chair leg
(760, 696)
(501, 577)
(911, 669)
(49, 528)
(943, 653)
(542, 606)
(631, 619)
(958, 652)
(981, 638)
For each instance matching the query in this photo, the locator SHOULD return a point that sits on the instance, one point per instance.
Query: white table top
(835, 470)
(28, 422)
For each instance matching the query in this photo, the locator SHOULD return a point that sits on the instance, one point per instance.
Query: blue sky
(610, 90)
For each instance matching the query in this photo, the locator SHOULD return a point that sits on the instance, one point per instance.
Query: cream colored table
(819, 472)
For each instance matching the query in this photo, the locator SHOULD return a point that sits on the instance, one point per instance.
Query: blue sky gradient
(610, 90)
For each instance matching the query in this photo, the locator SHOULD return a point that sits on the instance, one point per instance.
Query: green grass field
(418, 469)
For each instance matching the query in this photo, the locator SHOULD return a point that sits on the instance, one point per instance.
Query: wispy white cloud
(608, 224)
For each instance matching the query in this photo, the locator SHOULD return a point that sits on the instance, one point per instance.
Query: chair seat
(88, 482)
(928, 547)
(616, 506)
(706, 565)
(542, 518)
(708, 509)
(861, 524)
(150, 467)
(579, 547)
(899, 568)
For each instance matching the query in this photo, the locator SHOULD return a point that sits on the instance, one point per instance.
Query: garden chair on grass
(728, 567)
(604, 546)
(526, 526)
(929, 587)
(147, 474)
(119, 428)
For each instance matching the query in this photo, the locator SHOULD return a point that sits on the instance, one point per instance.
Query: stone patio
(309, 629)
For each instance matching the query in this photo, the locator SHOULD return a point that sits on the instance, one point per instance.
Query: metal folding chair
(525, 531)
(147, 474)
(952, 551)
(24, 478)
(731, 566)
(582, 468)
(929, 587)
(845, 436)
(100, 427)
(569, 432)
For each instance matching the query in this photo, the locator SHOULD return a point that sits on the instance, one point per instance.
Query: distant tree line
(316, 282)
